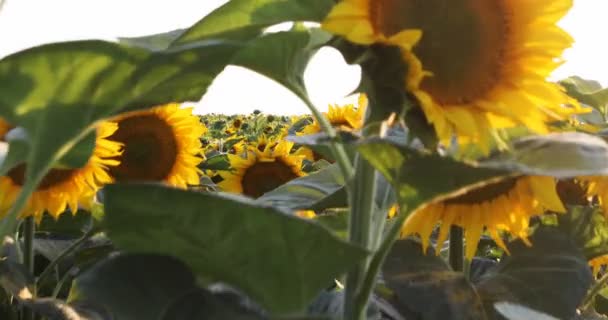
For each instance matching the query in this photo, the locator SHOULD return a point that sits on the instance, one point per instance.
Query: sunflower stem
(593, 292)
(338, 150)
(29, 227)
(456, 253)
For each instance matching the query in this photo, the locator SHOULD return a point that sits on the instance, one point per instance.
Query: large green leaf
(56, 91)
(588, 92)
(279, 260)
(283, 56)
(562, 155)
(309, 191)
(253, 16)
(551, 276)
(133, 287)
(588, 228)
(202, 304)
(159, 41)
(424, 287)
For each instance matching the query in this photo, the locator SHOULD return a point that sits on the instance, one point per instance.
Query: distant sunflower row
(167, 144)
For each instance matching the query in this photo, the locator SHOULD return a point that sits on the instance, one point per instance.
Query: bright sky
(26, 23)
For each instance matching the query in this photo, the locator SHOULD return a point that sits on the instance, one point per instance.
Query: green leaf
(133, 287)
(223, 238)
(202, 304)
(156, 42)
(587, 226)
(425, 288)
(513, 311)
(588, 92)
(551, 276)
(253, 16)
(561, 155)
(216, 162)
(309, 191)
(57, 91)
(283, 56)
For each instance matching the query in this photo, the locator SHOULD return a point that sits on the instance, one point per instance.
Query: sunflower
(5, 127)
(597, 263)
(64, 188)
(346, 117)
(259, 172)
(500, 206)
(597, 186)
(485, 61)
(160, 144)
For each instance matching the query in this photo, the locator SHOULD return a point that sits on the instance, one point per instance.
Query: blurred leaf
(16, 279)
(133, 287)
(551, 276)
(336, 221)
(57, 91)
(58, 310)
(67, 226)
(225, 241)
(587, 226)
(512, 311)
(155, 42)
(588, 92)
(246, 16)
(216, 162)
(425, 287)
(330, 304)
(283, 56)
(561, 155)
(320, 143)
(309, 191)
(202, 304)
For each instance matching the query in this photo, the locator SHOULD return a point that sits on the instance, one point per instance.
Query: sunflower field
(462, 184)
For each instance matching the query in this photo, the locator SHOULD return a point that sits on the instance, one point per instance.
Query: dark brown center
(486, 193)
(266, 176)
(150, 149)
(463, 42)
(54, 177)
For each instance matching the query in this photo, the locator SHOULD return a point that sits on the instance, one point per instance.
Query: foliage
(326, 243)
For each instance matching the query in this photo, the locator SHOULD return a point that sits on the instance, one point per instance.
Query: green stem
(62, 281)
(338, 150)
(456, 255)
(597, 287)
(360, 232)
(377, 260)
(29, 227)
(69, 250)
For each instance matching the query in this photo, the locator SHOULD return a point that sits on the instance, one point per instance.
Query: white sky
(26, 23)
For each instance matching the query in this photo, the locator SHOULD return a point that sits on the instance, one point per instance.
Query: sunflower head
(64, 188)
(159, 144)
(504, 206)
(473, 66)
(257, 172)
(346, 117)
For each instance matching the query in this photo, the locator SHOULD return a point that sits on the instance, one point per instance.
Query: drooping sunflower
(64, 188)
(346, 117)
(597, 263)
(504, 206)
(259, 172)
(597, 186)
(159, 144)
(473, 65)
